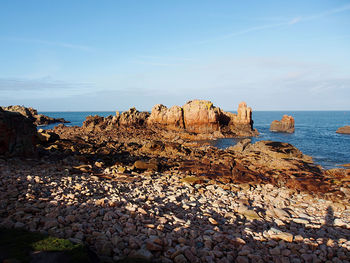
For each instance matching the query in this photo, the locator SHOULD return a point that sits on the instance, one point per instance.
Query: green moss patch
(19, 244)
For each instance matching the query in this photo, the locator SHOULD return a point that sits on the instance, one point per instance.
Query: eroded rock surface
(203, 118)
(32, 114)
(17, 135)
(168, 118)
(286, 124)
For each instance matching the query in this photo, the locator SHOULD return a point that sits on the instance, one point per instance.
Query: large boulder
(284, 125)
(201, 116)
(132, 117)
(171, 119)
(17, 135)
(98, 123)
(344, 130)
(32, 114)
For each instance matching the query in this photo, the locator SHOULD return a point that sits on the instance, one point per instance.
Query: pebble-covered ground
(160, 217)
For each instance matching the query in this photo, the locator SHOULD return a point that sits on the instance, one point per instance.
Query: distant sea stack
(285, 125)
(32, 114)
(344, 130)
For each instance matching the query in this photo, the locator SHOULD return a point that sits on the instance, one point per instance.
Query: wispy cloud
(284, 23)
(50, 43)
(152, 63)
(167, 58)
(320, 15)
(21, 84)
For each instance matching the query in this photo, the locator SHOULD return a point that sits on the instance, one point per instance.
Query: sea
(315, 132)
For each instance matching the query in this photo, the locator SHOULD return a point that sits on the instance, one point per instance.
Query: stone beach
(159, 216)
(141, 186)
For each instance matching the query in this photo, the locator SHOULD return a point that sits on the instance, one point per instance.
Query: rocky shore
(32, 114)
(141, 185)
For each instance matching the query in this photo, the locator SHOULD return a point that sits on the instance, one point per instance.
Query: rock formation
(202, 117)
(241, 123)
(132, 117)
(171, 119)
(17, 134)
(284, 125)
(344, 130)
(32, 114)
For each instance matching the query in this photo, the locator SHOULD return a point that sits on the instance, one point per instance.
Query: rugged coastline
(137, 185)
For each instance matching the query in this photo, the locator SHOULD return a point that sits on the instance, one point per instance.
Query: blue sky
(112, 55)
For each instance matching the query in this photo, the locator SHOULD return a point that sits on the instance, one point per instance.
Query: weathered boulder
(32, 114)
(286, 124)
(241, 124)
(132, 117)
(17, 135)
(45, 136)
(201, 116)
(170, 118)
(98, 123)
(344, 130)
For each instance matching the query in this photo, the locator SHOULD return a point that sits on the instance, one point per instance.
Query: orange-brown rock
(98, 123)
(241, 123)
(133, 117)
(284, 125)
(344, 130)
(201, 116)
(171, 119)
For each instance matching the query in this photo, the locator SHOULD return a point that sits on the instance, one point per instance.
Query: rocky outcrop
(128, 119)
(241, 123)
(132, 117)
(202, 117)
(32, 114)
(99, 124)
(164, 117)
(17, 135)
(344, 130)
(284, 125)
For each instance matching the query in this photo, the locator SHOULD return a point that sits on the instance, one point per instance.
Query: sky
(105, 55)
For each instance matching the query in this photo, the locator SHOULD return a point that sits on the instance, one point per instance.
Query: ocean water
(314, 132)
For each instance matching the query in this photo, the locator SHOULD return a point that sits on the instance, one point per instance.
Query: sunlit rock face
(202, 117)
(132, 117)
(17, 135)
(286, 124)
(170, 118)
(240, 124)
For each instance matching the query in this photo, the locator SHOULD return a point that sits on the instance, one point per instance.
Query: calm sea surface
(314, 132)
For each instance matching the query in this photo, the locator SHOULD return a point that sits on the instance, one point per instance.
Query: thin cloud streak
(320, 15)
(167, 58)
(50, 43)
(20, 84)
(291, 22)
(155, 63)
